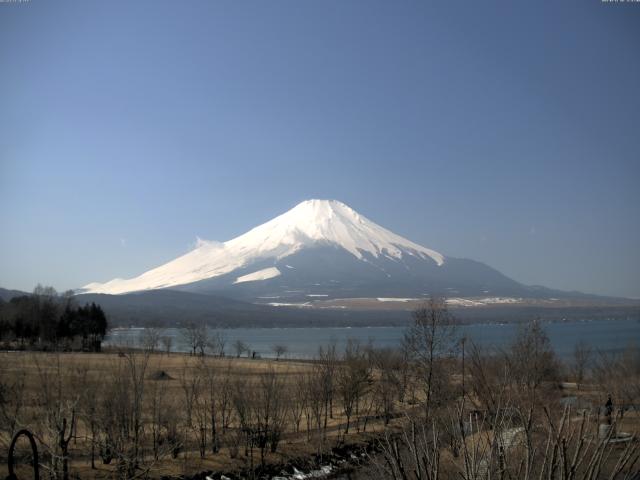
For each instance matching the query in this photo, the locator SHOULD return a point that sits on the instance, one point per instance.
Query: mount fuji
(318, 251)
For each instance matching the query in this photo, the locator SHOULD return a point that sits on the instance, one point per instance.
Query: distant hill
(175, 308)
(7, 295)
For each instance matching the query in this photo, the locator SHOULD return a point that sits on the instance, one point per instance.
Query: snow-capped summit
(258, 254)
(327, 222)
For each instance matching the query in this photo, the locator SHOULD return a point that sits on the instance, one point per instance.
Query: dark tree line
(48, 320)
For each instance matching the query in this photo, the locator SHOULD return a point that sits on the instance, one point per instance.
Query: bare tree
(91, 390)
(150, 339)
(167, 342)
(353, 379)
(190, 385)
(240, 347)
(618, 374)
(196, 337)
(430, 339)
(279, 350)
(216, 343)
(299, 397)
(327, 363)
(202, 409)
(211, 401)
(12, 396)
(136, 366)
(316, 407)
(59, 404)
(122, 416)
(270, 411)
(244, 405)
(202, 339)
(189, 335)
(160, 411)
(489, 378)
(224, 397)
(532, 361)
(388, 382)
(581, 361)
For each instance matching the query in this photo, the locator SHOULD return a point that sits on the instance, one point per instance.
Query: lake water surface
(604, 335)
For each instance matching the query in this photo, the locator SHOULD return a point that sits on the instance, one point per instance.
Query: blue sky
(500, 131)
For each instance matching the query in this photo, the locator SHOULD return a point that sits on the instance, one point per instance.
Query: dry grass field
(177, 393)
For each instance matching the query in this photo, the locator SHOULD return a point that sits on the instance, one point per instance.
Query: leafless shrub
(517, 445)
(414, 453)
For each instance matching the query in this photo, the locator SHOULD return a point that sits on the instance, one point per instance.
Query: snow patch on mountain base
(478, 302)
(459, 301)
(394, 299)
(264, 274)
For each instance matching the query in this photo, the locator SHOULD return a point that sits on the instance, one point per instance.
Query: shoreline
(303, 342)
(628, 318)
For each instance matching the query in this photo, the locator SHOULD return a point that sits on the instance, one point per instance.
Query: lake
(604, 335)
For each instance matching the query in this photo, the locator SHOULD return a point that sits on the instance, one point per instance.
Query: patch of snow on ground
(490, 300)
(463, 302)
(278, 304)
(391, 299)
(478, 302)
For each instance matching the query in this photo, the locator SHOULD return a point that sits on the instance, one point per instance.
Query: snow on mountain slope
(309, 224)
(264, 274)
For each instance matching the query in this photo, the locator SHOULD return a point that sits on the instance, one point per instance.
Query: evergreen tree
(46, 318)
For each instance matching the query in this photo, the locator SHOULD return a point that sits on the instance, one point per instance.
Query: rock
(160, 375)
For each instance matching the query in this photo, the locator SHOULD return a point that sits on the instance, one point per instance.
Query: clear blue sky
(507, 132)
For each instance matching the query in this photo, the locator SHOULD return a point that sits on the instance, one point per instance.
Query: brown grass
(175, 368)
